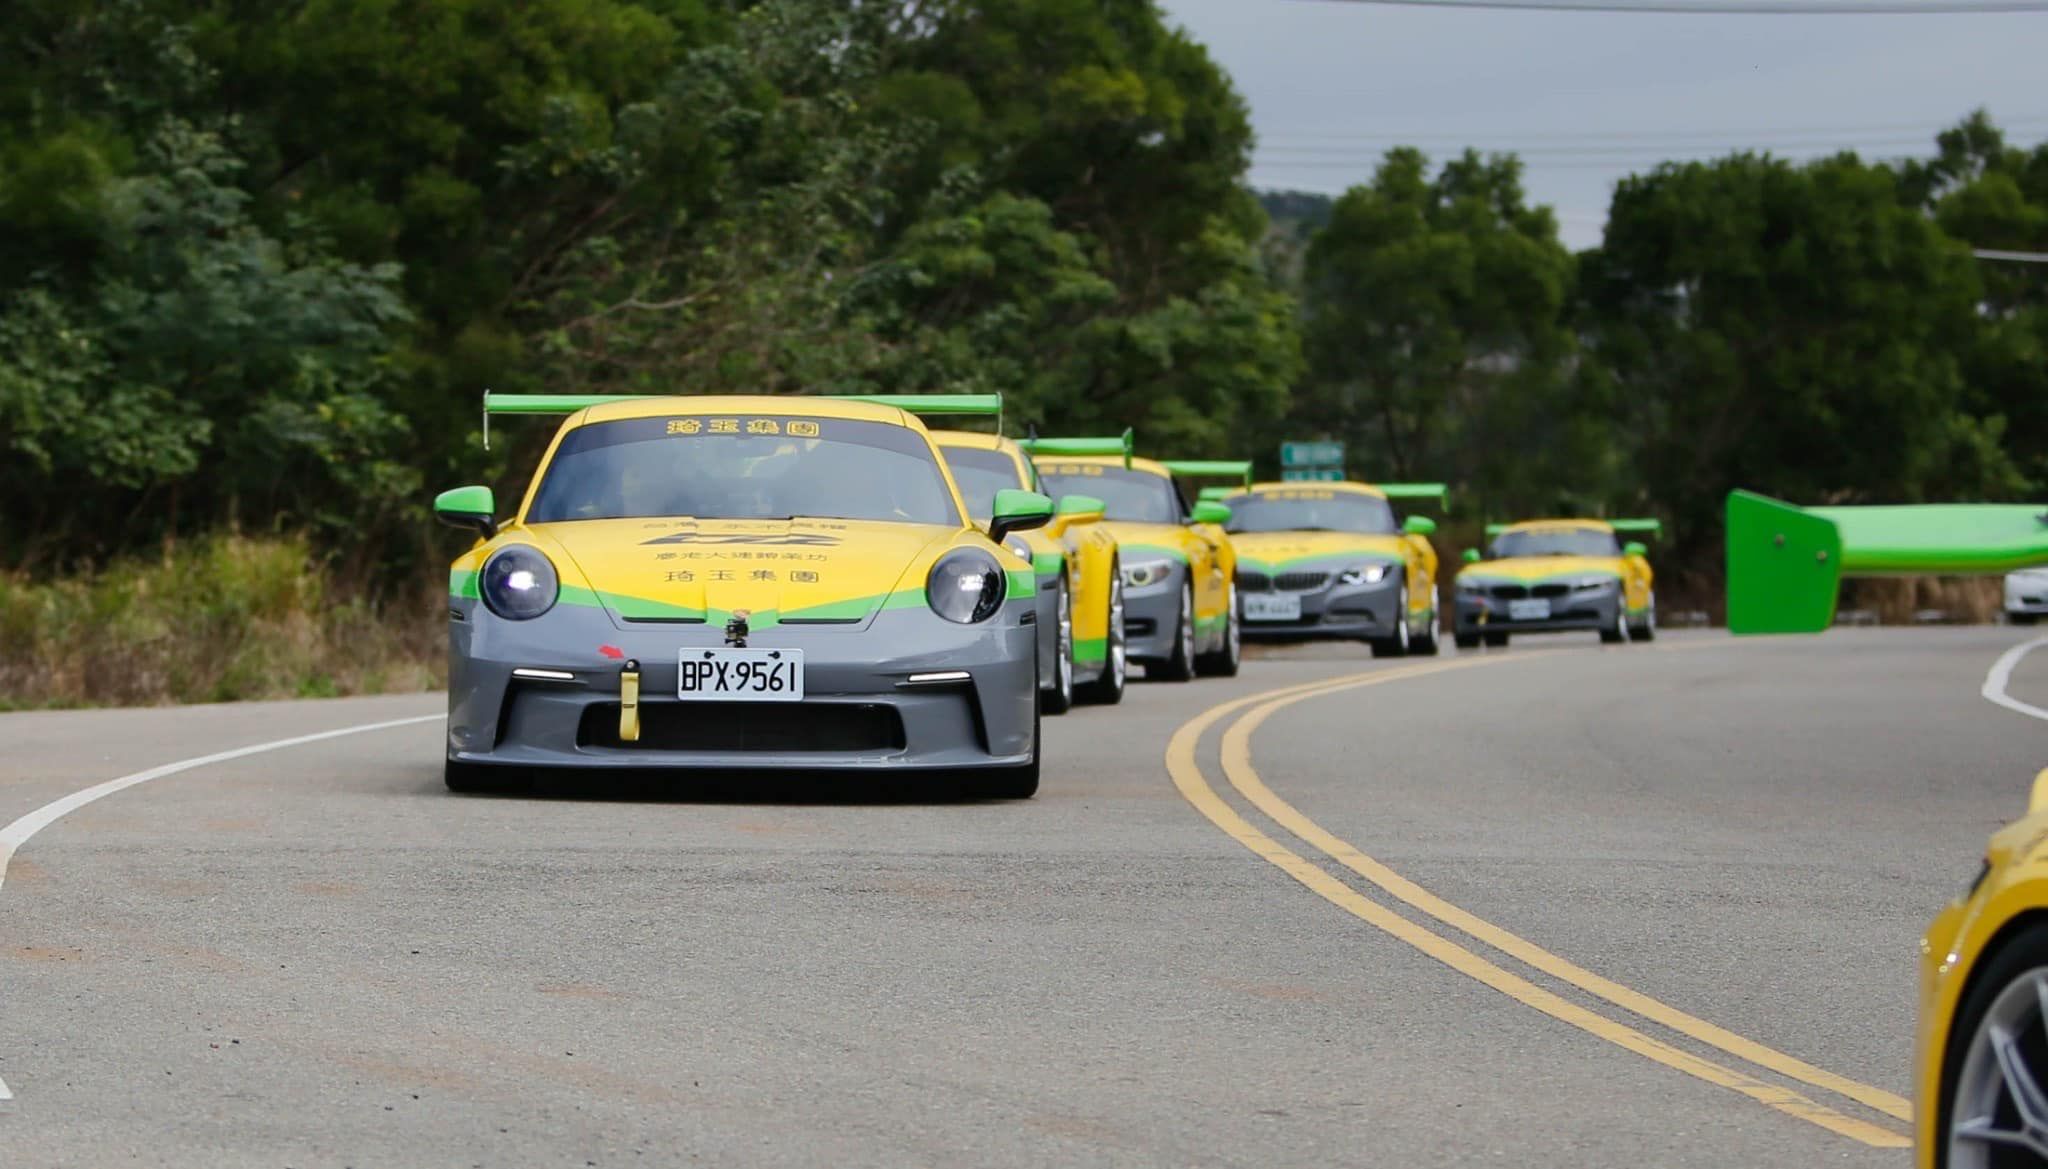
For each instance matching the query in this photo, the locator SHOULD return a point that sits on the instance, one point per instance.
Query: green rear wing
(1436, 491)
(982, 405)
(1239, 469)
(1786, 563)
(1216, 494)
(1123, 446)
(1634, 527)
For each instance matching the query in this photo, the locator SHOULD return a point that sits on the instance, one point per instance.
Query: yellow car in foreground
(1330, 560)
(1543, 576)
(1180, 604)
(1082, 654)
(742, 582)
(1980, 1066)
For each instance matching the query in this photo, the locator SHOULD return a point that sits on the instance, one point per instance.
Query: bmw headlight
(1472, 587)
(1589, 583)
(1365, 574)
(966, 587)
(1140, 573)
(519, 583)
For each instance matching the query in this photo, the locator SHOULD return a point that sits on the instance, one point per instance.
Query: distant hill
(1306, 208)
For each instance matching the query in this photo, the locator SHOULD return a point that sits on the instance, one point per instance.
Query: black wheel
(1107, 688)
(1181, 666)
(1617, 633)
(1223, 661)
(1496, 640)
(1426, 644)
(1466, 640)
(1015, 783)
(2023, 618)
(1981, 1125)
(1647, 631)
(471, 777)
(1058, 697)
(1397, 645)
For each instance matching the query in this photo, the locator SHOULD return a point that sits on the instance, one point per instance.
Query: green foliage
(224, 619)
(1436, 335)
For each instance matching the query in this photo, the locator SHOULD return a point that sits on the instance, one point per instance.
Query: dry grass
(223, 619)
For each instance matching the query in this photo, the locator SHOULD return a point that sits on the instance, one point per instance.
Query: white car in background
(2026, 595)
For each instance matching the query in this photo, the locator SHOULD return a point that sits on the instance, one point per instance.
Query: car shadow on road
(734, 787)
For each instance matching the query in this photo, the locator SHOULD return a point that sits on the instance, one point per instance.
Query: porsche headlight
(1365, 574)
(519, 583)
(1140, 573)
(966, 587)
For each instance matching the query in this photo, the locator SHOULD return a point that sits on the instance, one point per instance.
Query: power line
(2029, 124)
(1731, 7)
(2020, 257)
(1311, 153)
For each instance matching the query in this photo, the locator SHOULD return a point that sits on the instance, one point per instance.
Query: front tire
(1397, 645)
(1978, 1090)
(1466, 640)
(1181, 666)
(1496, 640)
(1618, 633)
(1107, 689)
(1647, 631)
(1224, 661)
(1059, 697)
(1427, 644)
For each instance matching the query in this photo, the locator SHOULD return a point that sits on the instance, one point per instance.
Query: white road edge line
(1994, 682)
(18, 833)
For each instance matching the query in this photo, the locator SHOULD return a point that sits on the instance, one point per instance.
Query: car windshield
(1135, 496)
(744, 468)
(1556, 542)
(982, 473)
(1310, 511)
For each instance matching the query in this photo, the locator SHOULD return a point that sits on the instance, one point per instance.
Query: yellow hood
(1275, 551)
(1530, 569)
(838, 572)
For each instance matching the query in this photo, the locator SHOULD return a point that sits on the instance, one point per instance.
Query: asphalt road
(317, 957)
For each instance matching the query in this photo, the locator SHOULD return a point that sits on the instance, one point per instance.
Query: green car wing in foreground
(1786, 563)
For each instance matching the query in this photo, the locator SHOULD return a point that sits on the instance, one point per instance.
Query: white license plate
(1535, 609)
(1271, 607)
(741, 675)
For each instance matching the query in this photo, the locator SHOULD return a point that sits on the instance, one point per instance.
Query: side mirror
(1072, 510)
(468, 507)
(1471, 556)
(1018, 511)
(1635, 548)
(1210, 512)
(1418, 525)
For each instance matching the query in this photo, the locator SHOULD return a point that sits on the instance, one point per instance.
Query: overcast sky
(1586, 98)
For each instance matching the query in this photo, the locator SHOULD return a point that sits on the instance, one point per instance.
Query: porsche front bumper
(909, 691)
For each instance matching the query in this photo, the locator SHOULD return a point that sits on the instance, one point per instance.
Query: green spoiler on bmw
(1786, 563)
(1123, 446)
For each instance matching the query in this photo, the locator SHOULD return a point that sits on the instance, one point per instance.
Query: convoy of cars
(826, 583)
(853, 589)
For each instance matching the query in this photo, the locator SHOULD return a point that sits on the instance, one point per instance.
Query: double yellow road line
(1235, 751)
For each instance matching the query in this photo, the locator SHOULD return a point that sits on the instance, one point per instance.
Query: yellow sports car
(1329, 560)
(1540, 576)
(742, 582)
(1980, 1066)
(1081, 650)
(1180, 606)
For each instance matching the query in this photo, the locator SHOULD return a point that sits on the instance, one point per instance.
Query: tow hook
(629, 702)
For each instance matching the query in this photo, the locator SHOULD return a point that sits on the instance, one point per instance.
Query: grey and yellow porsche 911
(742, 582)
